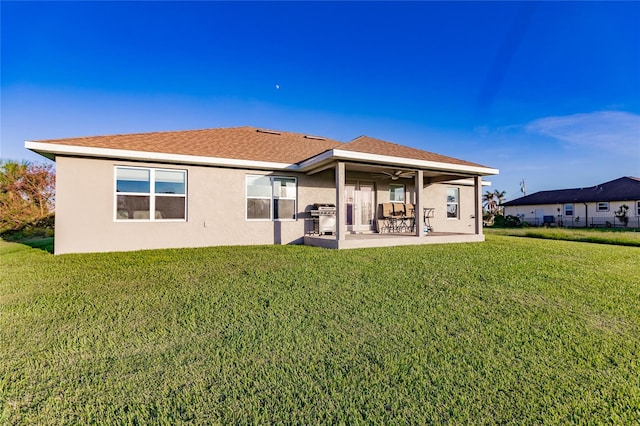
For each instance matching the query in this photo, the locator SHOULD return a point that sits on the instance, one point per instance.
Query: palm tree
(489, 203)
(499, 199)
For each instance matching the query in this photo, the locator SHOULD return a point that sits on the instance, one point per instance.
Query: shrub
(43, 227)
(512, 221)
(621, 214)
(26, 193)
(508, 221)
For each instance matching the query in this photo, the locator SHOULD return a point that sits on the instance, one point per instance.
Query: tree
(489, 202)
(492, 202)
(621, 214)
(500, 198)
(27, 193)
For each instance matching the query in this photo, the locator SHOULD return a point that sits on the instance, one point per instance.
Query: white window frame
(566, 210)
(272, 198)
(602, 206)
(457, 203)
(392, 192)
(151, 194)
(637, 208)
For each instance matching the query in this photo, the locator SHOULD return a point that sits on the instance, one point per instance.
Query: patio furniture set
(401, 218)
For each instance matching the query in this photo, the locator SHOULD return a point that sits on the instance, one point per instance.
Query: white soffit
(84, 151)
(337, 154)
(325, 157)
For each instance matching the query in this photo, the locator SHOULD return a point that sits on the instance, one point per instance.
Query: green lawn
(513, 330)
(616, 236)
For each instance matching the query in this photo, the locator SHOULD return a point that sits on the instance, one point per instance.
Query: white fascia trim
(154, 156)
(412, 162)
(468, 182)
(337, 154)
(313, 161)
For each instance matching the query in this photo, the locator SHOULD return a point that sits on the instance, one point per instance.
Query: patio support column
(419, 204)
(340, 220)
(477, 184)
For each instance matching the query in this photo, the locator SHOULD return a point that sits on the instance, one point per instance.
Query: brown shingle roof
(249, 143)
(243, 143)
(376, 146)
(626, 188)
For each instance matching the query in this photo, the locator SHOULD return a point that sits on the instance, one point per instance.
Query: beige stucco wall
(529, 212)
(436, 197)
(215, 208)
(580, 213)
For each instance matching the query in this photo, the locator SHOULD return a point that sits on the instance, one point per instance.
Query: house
(581, 207)
(244, 185)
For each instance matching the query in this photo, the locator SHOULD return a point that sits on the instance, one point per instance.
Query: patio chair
(429, 212)
(411, 216)
(399, 217)
(385, 223)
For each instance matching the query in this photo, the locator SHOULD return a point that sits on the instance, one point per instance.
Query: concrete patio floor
(365, 240)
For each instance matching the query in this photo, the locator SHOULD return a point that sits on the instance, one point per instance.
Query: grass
(512, 330)
(38, 242)
(600, 236)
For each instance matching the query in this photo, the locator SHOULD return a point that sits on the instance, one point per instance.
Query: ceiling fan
(395, 175)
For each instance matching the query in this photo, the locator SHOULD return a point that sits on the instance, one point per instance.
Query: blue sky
(547, 92)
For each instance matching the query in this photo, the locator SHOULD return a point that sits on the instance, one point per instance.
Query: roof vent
(271, 132)
(317, 138)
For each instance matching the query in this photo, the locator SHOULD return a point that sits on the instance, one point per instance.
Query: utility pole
(523, 188)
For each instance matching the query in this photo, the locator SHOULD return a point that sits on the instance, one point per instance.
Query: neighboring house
(241, 186)
(581, 207)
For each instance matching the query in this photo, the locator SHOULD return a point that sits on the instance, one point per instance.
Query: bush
(498, 221)
(43, 227)
(509, 221)
(27, 192)
(621, 214)
(512, 221)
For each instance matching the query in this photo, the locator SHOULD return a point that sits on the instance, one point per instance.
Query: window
(637, 208)
(602, 206)
(568, 209)
(396, 193)
(452, 203)
(150, 194)
(271, 198)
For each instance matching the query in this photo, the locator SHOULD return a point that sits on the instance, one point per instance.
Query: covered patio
(375, 168)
